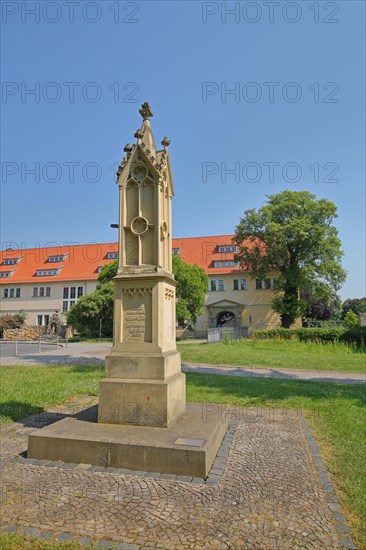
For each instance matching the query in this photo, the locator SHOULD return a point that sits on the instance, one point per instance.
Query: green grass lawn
(336, 413)
(287, 354)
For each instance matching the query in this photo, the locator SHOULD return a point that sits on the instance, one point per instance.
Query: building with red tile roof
(42, 280)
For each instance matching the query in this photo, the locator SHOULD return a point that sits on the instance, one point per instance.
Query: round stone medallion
(139, 225)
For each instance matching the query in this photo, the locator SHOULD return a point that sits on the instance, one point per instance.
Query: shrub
(8, 321)
(356, 335)
(351, 320)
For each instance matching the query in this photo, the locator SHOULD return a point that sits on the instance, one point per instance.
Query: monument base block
(188, 447)
(142, 389)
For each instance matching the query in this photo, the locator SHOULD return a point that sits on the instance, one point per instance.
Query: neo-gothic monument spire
(146, 190)
(144, 365)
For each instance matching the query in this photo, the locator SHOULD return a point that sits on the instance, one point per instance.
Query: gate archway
(224, 317)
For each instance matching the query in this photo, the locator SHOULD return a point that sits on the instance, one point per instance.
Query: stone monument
(143, 371)
(142, 421)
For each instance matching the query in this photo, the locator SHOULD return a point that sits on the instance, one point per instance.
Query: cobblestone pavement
(94, 354)
(270, 493)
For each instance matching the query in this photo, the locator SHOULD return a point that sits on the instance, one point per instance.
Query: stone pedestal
(143, 383)
(136, 399)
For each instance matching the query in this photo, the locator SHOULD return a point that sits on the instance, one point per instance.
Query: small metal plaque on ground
(189, 442)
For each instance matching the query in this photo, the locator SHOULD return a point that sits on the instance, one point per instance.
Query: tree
(191, 290)
(351, 319)
(95, 308)
(357, 305)
(294, 236)
(93, 313)
(321, 309)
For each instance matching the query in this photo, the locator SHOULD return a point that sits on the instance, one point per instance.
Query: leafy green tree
(95, 308)
(357, 305)
(93, 313)
(191, 290)
(322, 309)
(294, 236)
(351, 319)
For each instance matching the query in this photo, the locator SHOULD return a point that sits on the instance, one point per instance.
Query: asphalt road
(8, 349)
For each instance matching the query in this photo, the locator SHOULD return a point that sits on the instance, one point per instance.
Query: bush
(356, 335)
(351, 320)
(8, 321)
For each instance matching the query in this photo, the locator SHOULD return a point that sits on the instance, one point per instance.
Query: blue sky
(294, 118)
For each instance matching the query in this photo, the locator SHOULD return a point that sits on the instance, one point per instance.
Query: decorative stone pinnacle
(146, 111)
(127, 148)
(166, 142)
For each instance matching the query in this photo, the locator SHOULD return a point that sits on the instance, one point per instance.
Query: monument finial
(146, 111)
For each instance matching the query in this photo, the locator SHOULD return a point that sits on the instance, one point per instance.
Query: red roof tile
(82, 261)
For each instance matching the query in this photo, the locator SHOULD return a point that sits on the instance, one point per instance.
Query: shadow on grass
(31, 416)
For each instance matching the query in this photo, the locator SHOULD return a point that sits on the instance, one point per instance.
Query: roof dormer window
(228, 248)
(6, 274)
(59, 258)
(11, 261)
(48, 272)
(176, 251)
(112, 255)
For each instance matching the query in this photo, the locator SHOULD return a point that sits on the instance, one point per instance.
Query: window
(70, 296)
(228, 263)
(48, 272)
(276, 283)
(41, 291)
(228, 248)
(176, 251)
(112, 255)
(240, 284)
(263, 284)
(43, 320)
(216, 285)
(258, 284)
(11, 293)
(56, 258)
(11, 261)
(4, 274)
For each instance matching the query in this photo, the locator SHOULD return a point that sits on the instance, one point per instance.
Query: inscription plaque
(135, 322)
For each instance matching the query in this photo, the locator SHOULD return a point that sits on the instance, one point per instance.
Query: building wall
(251, 307)
(40, 305)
